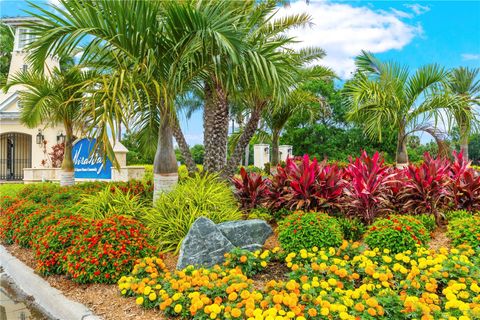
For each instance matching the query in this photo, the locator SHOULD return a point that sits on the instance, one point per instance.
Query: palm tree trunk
(402, 155)
(464, 142)
(215, 122)
(67, 175)
(243, 141)
(184, 149)
(165, 169)
(275, 151)
(247, 155)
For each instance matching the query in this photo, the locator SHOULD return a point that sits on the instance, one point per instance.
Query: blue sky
(413, 33)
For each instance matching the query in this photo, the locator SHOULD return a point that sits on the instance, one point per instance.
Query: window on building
(24, 38)
(25, 67)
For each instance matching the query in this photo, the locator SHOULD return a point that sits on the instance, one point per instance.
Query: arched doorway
(15, 155)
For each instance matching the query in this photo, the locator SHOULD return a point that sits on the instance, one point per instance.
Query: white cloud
(418, 8)
(470, 56)
(344, 30)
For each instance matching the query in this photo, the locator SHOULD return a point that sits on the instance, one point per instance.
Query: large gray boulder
(246, 234)
(204, 245)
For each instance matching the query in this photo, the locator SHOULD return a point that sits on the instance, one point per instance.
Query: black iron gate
(15, 154)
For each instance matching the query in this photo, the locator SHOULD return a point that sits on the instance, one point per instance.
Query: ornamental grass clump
(174, 212)
(112, 201)
(397, 233)
(302, 230)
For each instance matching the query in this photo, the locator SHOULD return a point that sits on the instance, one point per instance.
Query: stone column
(261, 155)
(286, 151)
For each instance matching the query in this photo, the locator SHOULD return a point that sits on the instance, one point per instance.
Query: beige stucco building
(22, 147)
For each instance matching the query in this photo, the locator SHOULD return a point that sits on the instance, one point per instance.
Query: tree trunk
(247, 155)
(464, 143)
(183, 146)
(215, 122)
(243, 141)
(275, 151)
(67, 175)
(402, 155)
(165, 169)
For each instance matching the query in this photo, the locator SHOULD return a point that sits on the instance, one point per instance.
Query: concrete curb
(48, 300)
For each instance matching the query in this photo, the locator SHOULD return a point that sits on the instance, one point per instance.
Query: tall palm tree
(276, 116)
(151, 50)
(261, 67)
(54, 99)
(463, 82)
(386, 94)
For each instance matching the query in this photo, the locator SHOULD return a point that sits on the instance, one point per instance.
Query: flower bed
(345, 283)
(46, 219)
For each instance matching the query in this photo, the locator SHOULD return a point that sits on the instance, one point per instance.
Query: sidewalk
(47, 299)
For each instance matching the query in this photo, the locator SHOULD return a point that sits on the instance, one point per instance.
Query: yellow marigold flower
(324, 311)
(178, 308)
(139, 301)
(152, 296)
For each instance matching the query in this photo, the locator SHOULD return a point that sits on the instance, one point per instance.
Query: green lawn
(10, 189)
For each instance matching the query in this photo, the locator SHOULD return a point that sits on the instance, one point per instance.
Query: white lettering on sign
(93, 159)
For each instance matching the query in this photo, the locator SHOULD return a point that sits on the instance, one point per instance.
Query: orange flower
(243, 259)
(312, 312)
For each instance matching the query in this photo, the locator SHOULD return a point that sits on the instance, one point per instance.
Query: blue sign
(89, 164)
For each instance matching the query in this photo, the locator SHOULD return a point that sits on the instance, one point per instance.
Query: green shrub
(458, 214)
(352, 229)
(428, 221)
(304, 230)
(175, 212)
(108, 202)
(182, 172)
(260, 213)
(10, 189)
(397, 233)
(148, 176)
(465, 230)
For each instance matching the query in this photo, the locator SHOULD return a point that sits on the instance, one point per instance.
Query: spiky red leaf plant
(368, 193)
(251, 189)
(465, 184)
(308, 185)
(427, 187)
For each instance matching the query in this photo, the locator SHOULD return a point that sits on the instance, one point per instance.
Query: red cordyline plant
(465, 184)
(427, 187)
(368, 192)
(307, 185)
(251, 189)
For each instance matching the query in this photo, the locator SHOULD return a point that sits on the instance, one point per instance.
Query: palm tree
(261, 67)
(463, 82)
(276, 116)
(386, 94)
(53, 99)
(6, 48)
(148, 61)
